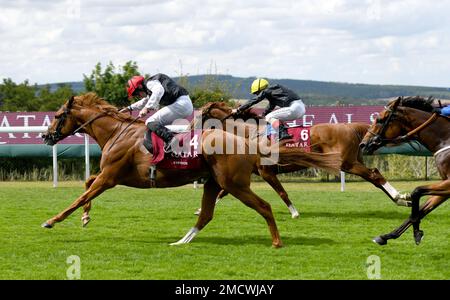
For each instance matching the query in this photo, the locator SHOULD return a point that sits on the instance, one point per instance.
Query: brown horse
(403, 120)
(325, 138)
(126, 162)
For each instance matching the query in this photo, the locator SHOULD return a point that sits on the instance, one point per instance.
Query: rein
(102, 114)
(129, 124)
(408, 136)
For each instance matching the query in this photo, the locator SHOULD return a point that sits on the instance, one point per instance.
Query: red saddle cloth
(187, 158)
(301, 138)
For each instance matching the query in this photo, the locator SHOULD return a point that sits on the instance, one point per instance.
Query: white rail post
(86, 156)
(55, 165)
(342, 181)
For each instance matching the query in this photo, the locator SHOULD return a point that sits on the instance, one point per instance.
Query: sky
(404, 42)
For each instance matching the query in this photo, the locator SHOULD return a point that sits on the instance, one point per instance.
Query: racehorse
(125, 161)
(403, 120)
(325, 138)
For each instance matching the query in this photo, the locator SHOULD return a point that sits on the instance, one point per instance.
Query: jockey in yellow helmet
(291, 106)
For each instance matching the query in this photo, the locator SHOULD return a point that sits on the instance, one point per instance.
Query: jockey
(292, 106)
(159, 90)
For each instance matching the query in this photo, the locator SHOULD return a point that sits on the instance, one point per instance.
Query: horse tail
(330, 162)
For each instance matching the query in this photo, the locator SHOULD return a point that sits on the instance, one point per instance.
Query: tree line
(108, 82)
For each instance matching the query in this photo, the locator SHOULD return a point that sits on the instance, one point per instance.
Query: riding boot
(167, 136)
(282, 133)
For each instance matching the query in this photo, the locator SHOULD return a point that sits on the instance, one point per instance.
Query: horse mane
(245, 115)
(419, 103)
(92, 100)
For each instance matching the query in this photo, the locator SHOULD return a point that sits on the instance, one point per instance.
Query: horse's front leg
(442, 189)
(429, 206)
(374, 176)
(100, 184)
(211, 190)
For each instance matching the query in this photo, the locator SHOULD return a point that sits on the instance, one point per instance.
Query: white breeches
(180, 109)
(295, 111)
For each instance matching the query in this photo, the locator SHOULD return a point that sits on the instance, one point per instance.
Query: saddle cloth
(187, 158)
(301, 138)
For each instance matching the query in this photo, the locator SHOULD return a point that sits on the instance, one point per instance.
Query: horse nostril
(362, 145)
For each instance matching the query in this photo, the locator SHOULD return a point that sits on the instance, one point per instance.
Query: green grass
(131, 229)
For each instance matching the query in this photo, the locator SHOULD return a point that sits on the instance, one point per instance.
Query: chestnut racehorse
(403, 120)
(325, 138)
(126, 162)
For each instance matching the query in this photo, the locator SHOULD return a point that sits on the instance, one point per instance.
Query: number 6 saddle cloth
(187, 158)
(301, 137)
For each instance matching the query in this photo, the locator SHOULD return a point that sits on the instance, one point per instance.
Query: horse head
(62, 125)
(384, 129)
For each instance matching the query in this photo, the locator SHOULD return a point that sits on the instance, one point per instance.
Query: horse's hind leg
(99, 185)
(271, 178)
(249, 198)
(85, 218)
(211, 191)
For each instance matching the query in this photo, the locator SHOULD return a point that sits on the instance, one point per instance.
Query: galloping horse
(325, 138)
(406, 119)
(126, 162)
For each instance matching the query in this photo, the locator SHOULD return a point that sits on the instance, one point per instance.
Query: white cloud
(372, 41)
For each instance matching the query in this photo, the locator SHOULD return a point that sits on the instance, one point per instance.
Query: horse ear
(397, 103)
(70, 103)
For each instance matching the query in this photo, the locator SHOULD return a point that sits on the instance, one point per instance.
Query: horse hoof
(418, 237)
(86, 221)
(46, 225)
(380, 241)
(295, 215)
(277, 245)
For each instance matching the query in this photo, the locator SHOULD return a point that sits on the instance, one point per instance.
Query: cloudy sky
(360, 41)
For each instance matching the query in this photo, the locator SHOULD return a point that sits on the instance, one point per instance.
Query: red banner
(314, 115)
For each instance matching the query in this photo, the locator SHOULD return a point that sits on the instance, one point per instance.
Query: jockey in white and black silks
(291, 106)
(155, 91)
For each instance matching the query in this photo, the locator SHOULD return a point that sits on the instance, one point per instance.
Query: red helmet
(134, 83)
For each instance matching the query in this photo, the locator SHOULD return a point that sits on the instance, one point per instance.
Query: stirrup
(168, 147)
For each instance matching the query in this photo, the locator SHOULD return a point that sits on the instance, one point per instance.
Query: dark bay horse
(125, 161)
(403, 120)
(325, 138)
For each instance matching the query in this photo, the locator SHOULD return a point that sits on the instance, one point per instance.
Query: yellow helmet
(258, 85)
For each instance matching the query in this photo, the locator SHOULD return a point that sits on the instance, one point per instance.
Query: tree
(52, 101)
(110, 84)
(18, 97)
(209, 90)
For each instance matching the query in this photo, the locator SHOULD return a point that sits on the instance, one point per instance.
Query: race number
(304, 135)
(194, 142)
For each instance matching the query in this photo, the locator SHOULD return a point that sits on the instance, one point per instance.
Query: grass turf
(131, 229)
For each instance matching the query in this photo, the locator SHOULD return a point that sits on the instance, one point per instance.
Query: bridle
(379, 140)
(57, 134)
